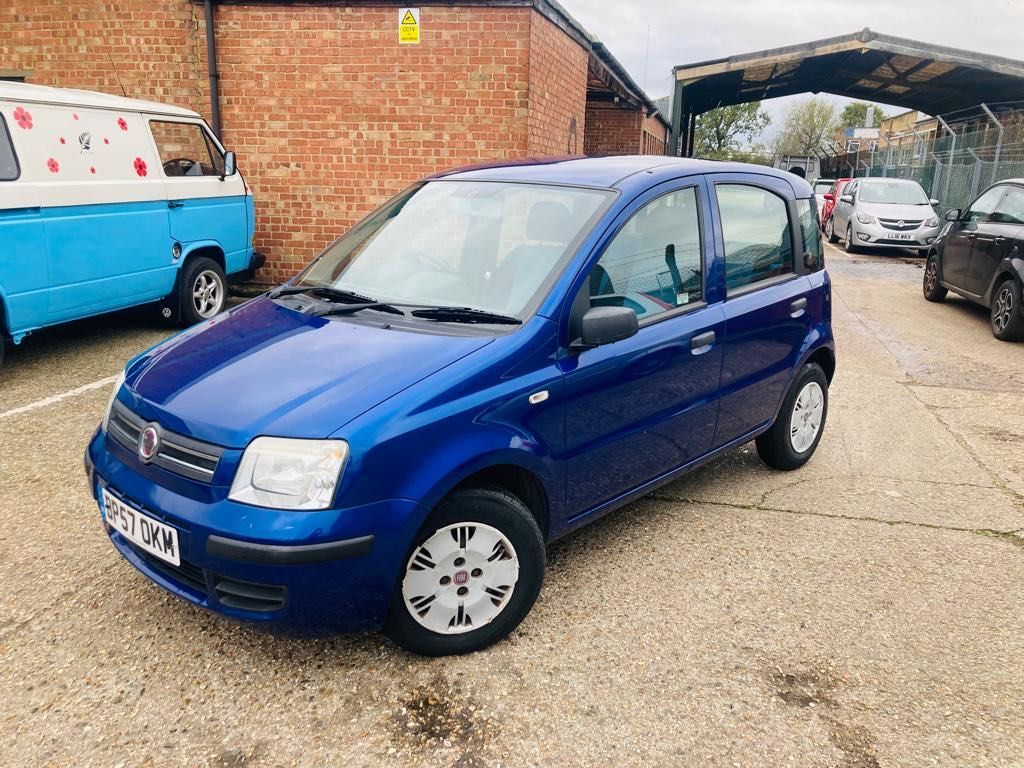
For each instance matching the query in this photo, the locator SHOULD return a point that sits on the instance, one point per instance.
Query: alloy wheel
(1003, 310)
(207, 294)
(931, 275)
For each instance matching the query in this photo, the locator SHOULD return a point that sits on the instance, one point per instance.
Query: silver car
(883, 213)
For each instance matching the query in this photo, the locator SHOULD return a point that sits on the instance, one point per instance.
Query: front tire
(203, 291)
(1007, 312)
(830, 231)
(849, 245)
(471, 576)
(933, 289)
(797, 430)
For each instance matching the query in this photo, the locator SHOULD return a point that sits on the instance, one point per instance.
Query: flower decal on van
(140, 166)
(23, 118)
(53, 165)
(122, 123)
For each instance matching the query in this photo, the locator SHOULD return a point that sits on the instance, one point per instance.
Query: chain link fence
(953, 169)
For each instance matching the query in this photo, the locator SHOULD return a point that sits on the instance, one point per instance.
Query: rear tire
(830, 230)
(472, 575)
(1007, 312)
(933, 289)
(203, 291)
(797, 430)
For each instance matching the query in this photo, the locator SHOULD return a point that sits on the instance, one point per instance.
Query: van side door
(23, 274)
(642, 407)
(205, 206)
(767, 298)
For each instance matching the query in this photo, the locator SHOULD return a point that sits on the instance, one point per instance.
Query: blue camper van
(107, 203)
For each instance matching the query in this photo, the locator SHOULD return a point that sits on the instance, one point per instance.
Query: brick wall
(654, 136)
(612, 130)
(557, 91)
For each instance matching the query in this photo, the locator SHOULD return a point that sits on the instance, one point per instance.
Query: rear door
(956, 252)
(644, 406)
(994, 238)
(204, 205)
(767, 297)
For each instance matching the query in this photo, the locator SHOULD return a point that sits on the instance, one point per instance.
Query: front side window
(186, 150)
(654, 263)
(1011, 209)
(983, 207)
(811, 232)
(487, 245)
(8, 160)
(756, 234)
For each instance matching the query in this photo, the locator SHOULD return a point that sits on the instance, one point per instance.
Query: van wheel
(203, 291)
(933, 289)
(1007, 312)
(830, 230)
(797, 430)
(472, 575)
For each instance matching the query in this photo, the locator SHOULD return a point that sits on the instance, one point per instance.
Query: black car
(980, 255)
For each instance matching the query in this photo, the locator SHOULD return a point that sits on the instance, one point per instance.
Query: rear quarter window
(9, 170)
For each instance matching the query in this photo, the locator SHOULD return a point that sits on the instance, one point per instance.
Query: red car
(830, 200)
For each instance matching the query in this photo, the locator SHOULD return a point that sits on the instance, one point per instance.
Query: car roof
(43, 94)
(617, 172)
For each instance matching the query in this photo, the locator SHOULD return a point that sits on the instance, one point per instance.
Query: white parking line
(54, 399)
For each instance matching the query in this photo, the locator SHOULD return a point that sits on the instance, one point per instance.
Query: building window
(852, 146)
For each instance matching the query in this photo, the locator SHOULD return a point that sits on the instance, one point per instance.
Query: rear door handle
(175, 204)
(702, 342)
(797, 307)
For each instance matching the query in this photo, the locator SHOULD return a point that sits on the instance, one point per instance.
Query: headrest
(547, 221)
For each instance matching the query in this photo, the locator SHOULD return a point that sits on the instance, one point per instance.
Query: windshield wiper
(464, 315)
(348, 309)
(322, 292)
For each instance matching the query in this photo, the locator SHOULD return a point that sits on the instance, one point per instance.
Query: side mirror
(830, 197)
(933, 201)
(605, 325)
(953, 214)
(229, 165)
(846, 199)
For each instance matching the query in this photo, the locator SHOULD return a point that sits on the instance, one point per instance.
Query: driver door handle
(176, 204)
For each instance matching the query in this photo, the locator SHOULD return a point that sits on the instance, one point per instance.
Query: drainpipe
(211, 65)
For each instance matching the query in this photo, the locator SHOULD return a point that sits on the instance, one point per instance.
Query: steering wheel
(180, 164)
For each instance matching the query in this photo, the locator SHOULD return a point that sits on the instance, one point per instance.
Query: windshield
(822, 186)
(895, 192)
(492, 246)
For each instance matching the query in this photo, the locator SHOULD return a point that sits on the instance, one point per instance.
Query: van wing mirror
(229, 165)
(953, 214)
(605, 325)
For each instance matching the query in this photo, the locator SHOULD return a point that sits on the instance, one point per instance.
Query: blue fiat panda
(492, 359)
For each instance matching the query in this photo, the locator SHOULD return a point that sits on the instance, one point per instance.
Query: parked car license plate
(903, 236)
(143, 531)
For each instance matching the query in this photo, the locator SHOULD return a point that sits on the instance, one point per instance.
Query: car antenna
(118, 76)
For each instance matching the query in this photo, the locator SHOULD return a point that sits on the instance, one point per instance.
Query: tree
(721, 132)
(855, 115)
(806, 127)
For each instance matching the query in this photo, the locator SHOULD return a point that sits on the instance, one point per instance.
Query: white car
(883, 213)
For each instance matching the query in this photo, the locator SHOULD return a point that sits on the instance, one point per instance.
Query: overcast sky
(688, 31)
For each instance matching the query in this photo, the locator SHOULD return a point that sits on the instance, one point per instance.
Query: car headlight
(932, 222)
(865, 218)
(113, 396)
(286, 473)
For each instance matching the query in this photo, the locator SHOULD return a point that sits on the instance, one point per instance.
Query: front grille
(908, 224)
(190, 575)
(247, 596)
(181, 455)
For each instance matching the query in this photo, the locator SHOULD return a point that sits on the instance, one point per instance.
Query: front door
(956, 253)
(994, 238)
(204, 206)
(640, 408)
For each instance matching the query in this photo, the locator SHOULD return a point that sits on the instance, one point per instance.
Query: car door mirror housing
(846, 199)
(953, 214)
(229, 165)
(830, 197)
(932, 201)
(605, 325)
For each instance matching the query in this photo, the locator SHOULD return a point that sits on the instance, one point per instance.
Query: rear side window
(9, 170)
(186, 150)
(654, 263)
(810, 232)
(755, 228)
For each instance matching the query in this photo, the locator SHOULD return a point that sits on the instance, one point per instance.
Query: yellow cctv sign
(409, 25)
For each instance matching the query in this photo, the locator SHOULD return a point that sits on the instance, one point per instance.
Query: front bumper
(334, 569)
(877, 236)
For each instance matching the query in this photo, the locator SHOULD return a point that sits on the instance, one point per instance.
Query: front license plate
(903, 236)
(141, 530)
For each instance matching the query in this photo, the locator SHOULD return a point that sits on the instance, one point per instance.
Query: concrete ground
(862, 611)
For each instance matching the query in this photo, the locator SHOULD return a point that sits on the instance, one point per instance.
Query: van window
(186, 149)
(654, 263)
(811, 233)
(8, 160)
(755, 228)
